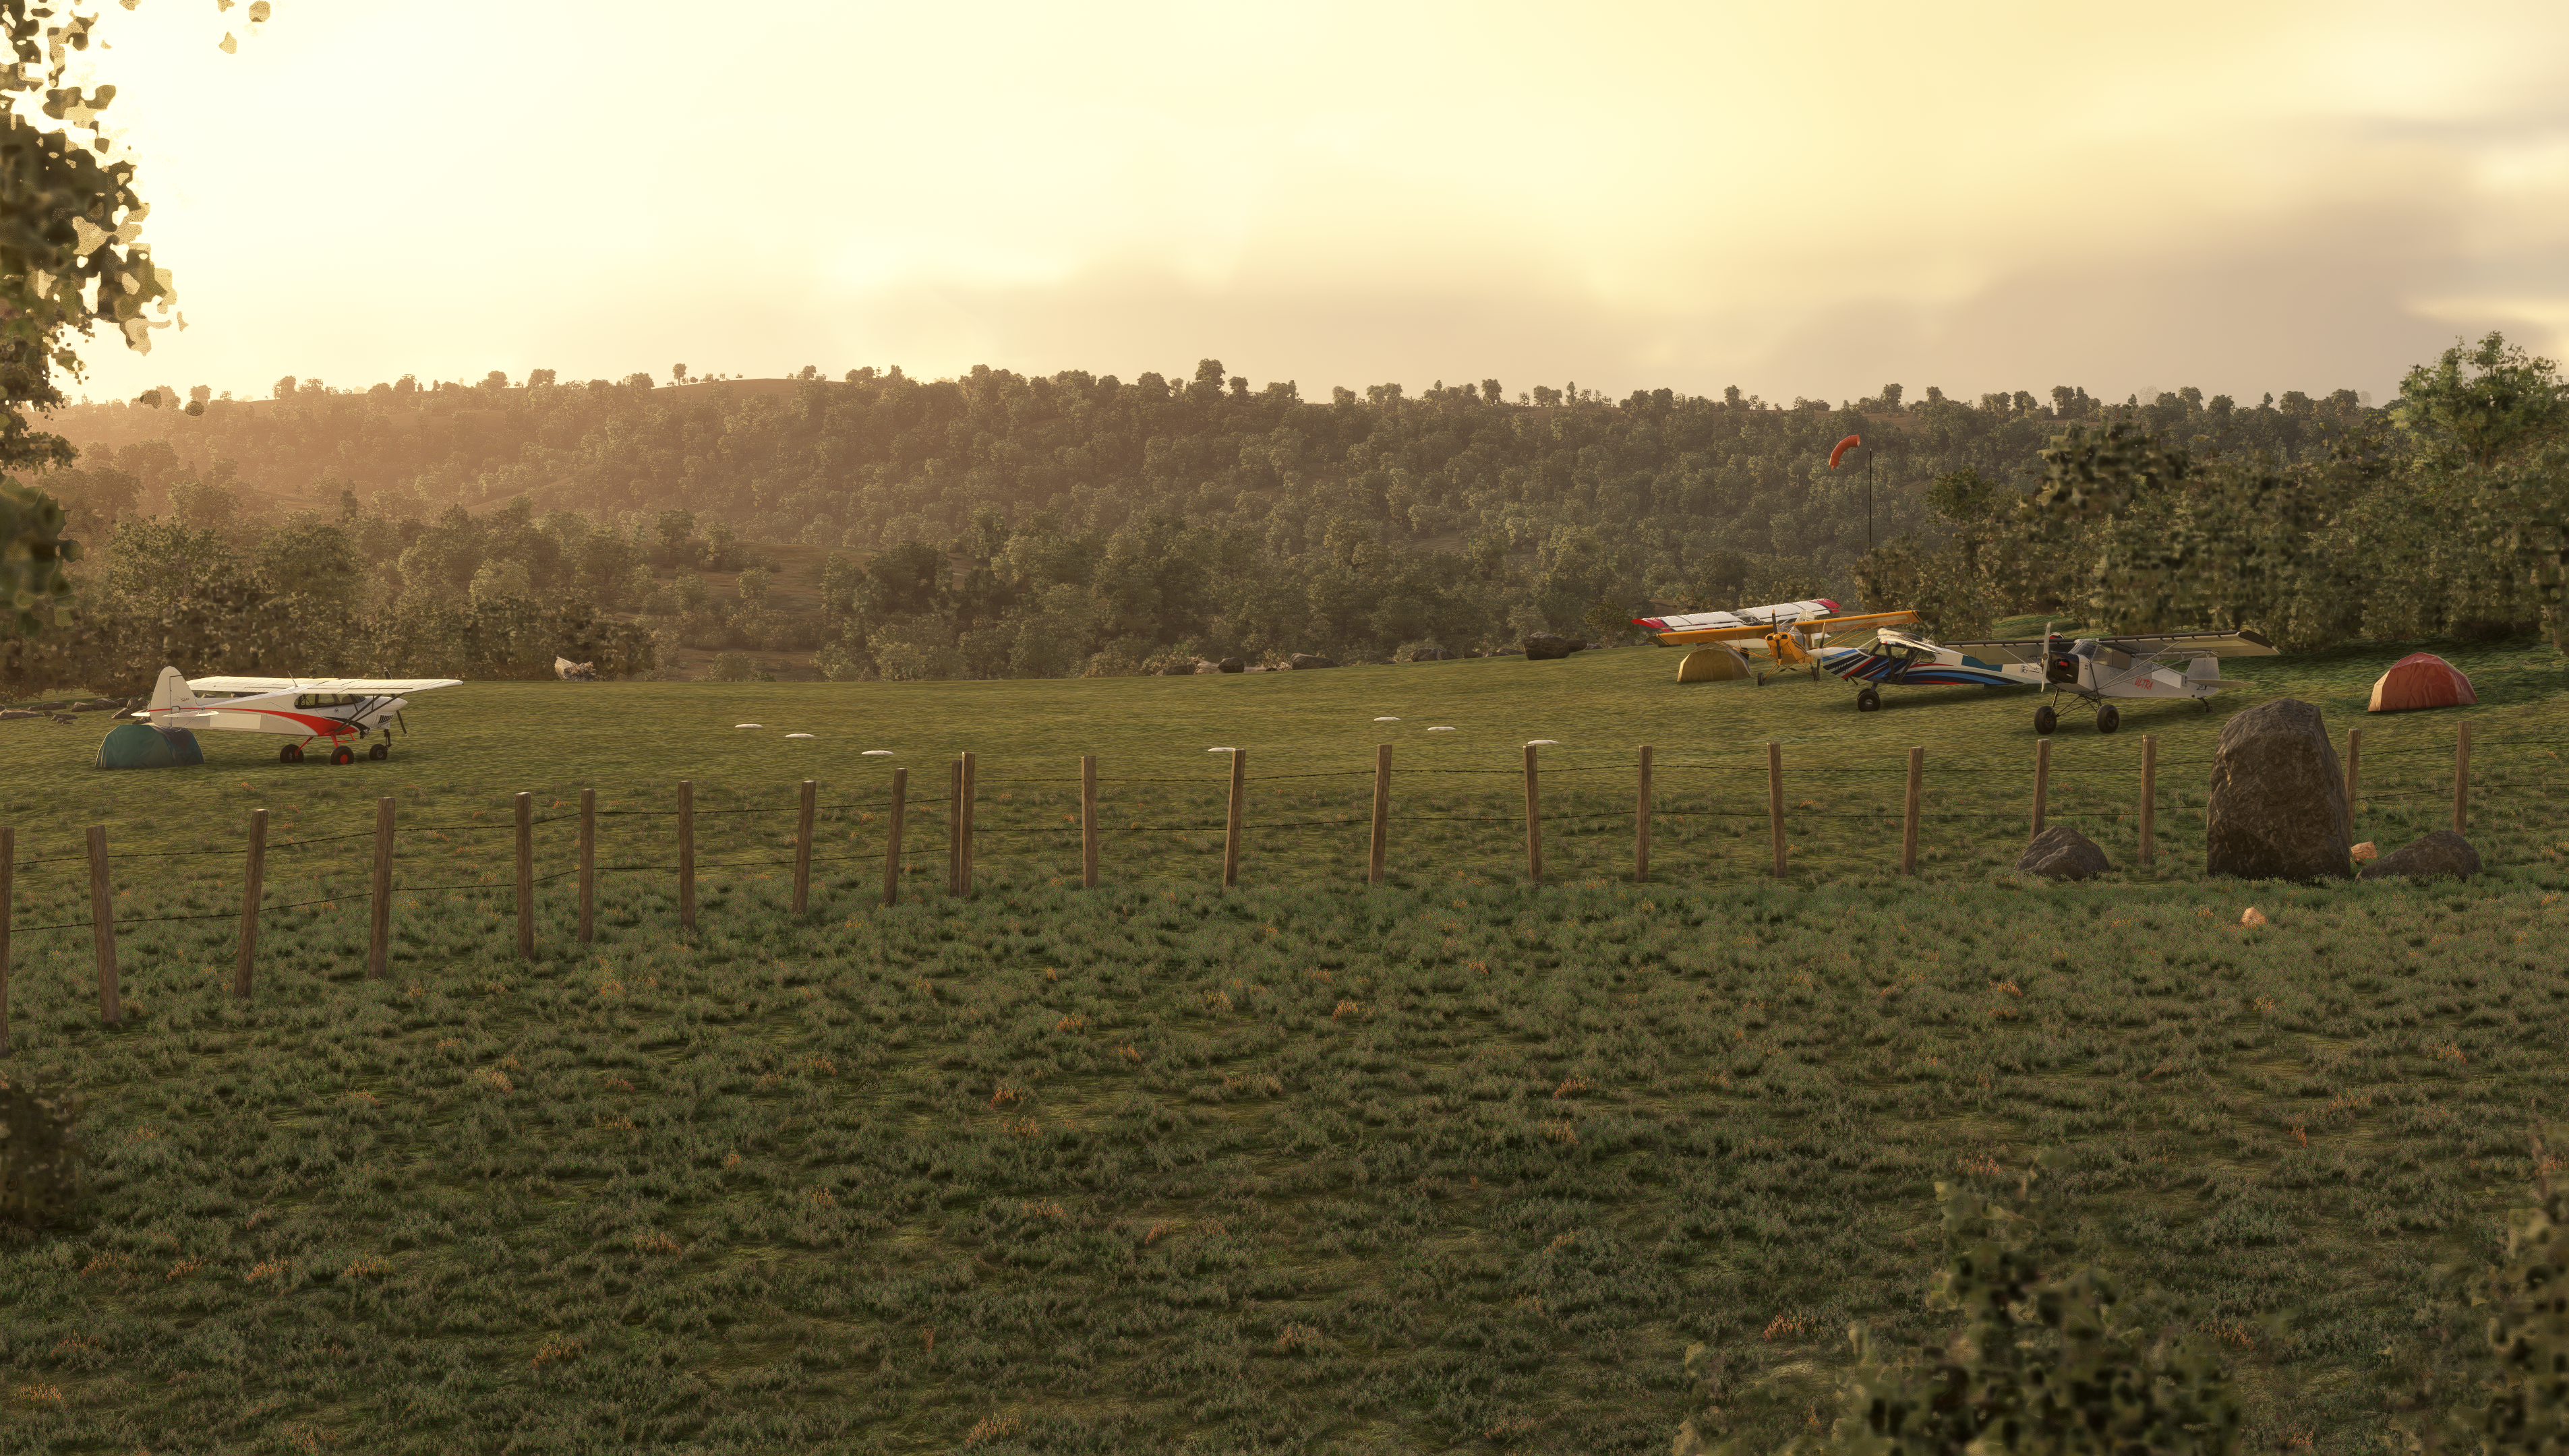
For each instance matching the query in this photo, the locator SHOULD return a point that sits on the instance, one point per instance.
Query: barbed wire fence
(1685, 820)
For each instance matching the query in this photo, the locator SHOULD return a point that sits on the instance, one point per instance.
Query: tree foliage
(71, 259)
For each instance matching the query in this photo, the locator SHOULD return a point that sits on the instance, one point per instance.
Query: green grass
(1452, 1162)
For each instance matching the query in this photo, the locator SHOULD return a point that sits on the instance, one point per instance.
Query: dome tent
(2421, 680)
(1715, 662)
(142, 746)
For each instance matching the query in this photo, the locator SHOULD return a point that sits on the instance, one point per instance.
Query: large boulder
(2443, 855)
(2062, 853)
(1430, 654)
(2278, 803)
(1546, 646)
(1234, 664)
(1305, 662)
(1179, 669)
(569, 671)
(1203, 667)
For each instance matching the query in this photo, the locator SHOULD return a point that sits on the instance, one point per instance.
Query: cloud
(1994, 196)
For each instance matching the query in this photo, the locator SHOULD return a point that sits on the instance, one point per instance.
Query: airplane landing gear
(2108, 719)
(343, 755)
(291, 753)
(2045, 720)
(1867, 700)
(379, 752)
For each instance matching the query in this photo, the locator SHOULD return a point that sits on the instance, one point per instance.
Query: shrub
(2039, 1364)
(2526, 1405)
(39, 1155)
(731, 668)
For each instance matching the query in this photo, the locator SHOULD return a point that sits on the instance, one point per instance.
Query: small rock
(2062, 853)
(2443, 855)
(1549, 646)
(1234, 664)
(1203, 667)
(15, 713)
(1431, 655)
(2253, 917)
(1306, 661)
(2363, 852)
(1178, 669)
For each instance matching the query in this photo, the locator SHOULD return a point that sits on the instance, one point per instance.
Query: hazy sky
(1797, 200)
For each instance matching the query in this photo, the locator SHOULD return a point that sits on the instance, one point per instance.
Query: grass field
(1307, 1166)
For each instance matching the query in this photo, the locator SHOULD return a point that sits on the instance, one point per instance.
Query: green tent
(142, 746)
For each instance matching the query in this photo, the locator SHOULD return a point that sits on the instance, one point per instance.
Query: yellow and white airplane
(300, 708)
(1791, 632)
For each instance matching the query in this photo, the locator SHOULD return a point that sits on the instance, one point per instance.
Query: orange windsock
(1849, 443)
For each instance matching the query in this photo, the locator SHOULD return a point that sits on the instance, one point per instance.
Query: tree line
(1003, 524)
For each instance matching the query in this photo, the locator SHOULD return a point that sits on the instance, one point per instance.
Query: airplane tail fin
(172, 691)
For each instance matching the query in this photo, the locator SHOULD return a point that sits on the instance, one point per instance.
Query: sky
(1797, 200)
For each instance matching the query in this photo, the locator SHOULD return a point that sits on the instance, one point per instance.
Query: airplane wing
(1763, 619)
(369, 686)
(1674, 634)
(2196, 644)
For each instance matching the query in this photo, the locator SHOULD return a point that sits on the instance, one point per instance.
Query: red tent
(2421, 680)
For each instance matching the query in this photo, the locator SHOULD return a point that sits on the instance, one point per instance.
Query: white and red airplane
(301, 708)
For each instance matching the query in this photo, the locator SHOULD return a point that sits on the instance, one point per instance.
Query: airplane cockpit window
(2084, 647)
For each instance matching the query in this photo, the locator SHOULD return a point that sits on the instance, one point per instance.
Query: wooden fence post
(1381, 844)
(254, 877)
(1909, 814)
(802, 849)
(1775, 803)
(1088, 820)
(955, 827)
(525, 876)
(686, 854)
(891, 836)
(1231, 824)
(2354, 757)
(1534, 818)
(587, 865)
(2149, 798)
(379, 915)
(964, 824)
(2042, 783)
(102, 916)
(1642, 822)
(8, 917)
(2461, 774)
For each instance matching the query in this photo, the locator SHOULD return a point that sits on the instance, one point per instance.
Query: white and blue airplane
(2155, 665)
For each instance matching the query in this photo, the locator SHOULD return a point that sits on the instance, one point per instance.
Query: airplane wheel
(1868, 702)
(2045, 720)
(291, 753)
(343, 755)
(2108, 719)
(379, 752)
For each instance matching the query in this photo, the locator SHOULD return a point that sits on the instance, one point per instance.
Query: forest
(999, 524)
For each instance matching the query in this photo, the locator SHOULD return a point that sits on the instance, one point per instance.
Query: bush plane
(301, 708)
(1790, 630)
(2156, 665)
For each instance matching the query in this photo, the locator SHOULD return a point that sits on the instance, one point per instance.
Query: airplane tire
(2045, 720)
(1868, 702)
(291, 753)
(379, 753)
(2108, 718)
(343, 755)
